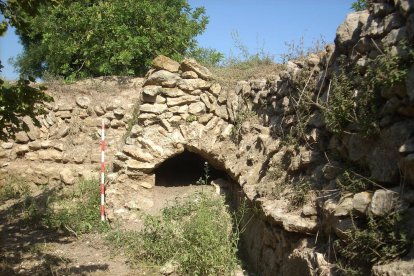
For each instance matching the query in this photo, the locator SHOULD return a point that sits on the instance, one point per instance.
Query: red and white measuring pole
(103, 171)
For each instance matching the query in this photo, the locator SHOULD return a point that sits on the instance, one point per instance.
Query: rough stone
(189, 75)
(221, 111)
(192, 65)
(344, 207)
(7, 145)
(348, 32)
(139, 166)
(384, 158)
(153, 108)
(164, 63)
(137, 153)
(215, 89)
(83, 101)
(99, 110)
(193, 84)
(21, 137)
(309, 210)
(22, 149)
(67, 176)
(182, 100)
(172, 92)
(197, 108)
(394, 36)
(361, 202)
(382, 203)
(150, 92)
(159, 77)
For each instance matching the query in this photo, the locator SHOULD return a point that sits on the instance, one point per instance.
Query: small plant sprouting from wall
(241, 117)
(300, 194)
(191, 118)
(350, 181)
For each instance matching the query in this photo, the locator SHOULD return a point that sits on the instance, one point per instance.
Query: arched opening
(185, 169)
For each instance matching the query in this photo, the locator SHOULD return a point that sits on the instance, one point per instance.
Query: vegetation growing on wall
(355, 98)
(377, 240)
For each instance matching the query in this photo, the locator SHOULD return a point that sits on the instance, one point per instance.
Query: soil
(26, 250)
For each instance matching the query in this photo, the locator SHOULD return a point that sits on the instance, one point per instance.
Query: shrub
(355, 98)
(360, 5)
(378, 240)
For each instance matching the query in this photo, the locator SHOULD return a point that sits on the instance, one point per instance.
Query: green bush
(360, 5)
(378, 240)
(195, 233)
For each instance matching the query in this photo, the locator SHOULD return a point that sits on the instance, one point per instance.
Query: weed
(191, 118)
(296, 50)
(379, 240)
(204, 181)
(300, 194)
(241, 117)
(133, 121)
(349, 181)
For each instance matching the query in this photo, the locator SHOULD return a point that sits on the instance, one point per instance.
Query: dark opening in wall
(184, 169)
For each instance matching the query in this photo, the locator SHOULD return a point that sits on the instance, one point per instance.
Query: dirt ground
(26, 250)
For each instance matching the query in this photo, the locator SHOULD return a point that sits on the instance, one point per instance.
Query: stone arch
(185, 168)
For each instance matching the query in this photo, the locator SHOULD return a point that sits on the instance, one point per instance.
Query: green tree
(88, 38)
(360, 5)
(20, 98)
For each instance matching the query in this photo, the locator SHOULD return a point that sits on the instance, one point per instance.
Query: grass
(76, 210)
(196, 234)
(16, 187)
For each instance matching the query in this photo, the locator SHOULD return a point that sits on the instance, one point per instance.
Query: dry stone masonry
(243, 131)
(65, 146)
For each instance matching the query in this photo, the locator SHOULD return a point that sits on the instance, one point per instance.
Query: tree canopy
(20, 98)
(89, 38)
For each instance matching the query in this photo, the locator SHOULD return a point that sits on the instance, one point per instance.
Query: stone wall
(66, 144)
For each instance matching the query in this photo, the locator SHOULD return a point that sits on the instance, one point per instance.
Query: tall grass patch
(77, 209)
(195, 234)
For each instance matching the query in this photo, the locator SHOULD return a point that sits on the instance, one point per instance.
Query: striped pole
(103, 171)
